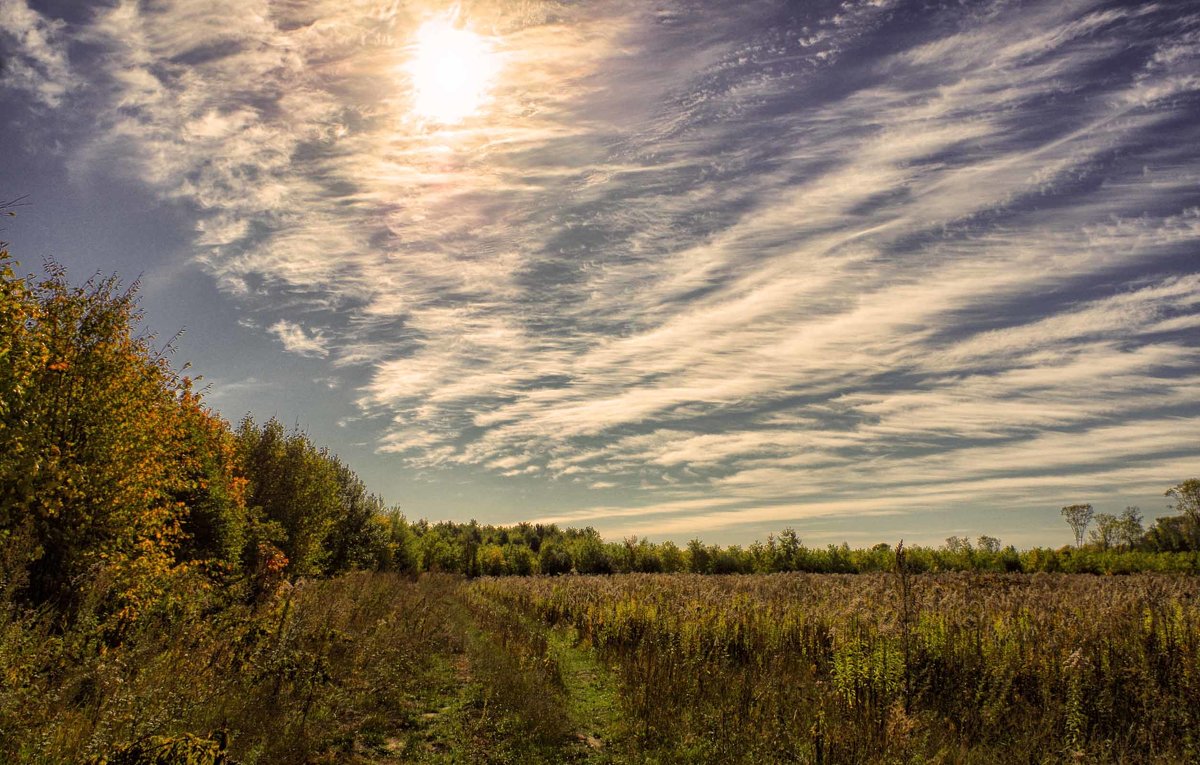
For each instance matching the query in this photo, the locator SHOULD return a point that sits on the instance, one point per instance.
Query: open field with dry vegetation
(375, 668)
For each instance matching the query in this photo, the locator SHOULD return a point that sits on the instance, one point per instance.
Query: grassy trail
(593, 701)
(508, 690)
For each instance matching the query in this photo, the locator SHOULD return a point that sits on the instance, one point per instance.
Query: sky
(872, 270)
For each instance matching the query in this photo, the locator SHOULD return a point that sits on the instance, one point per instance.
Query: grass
(592, 696)
(305, 678)
(811, 668)
(370, 669)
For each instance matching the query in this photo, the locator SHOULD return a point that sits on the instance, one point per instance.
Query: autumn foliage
(90, 432)
(112, 468)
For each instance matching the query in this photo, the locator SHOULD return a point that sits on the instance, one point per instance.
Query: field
(827, 668)
(376, 668)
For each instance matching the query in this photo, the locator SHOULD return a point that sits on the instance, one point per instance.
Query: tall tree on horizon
(1078, 517)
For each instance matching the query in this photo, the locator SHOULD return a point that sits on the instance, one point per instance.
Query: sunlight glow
(452, 70)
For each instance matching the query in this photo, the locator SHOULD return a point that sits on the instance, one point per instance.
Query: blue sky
(869, 269)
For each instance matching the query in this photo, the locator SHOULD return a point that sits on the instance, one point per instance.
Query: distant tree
(839, 559)
(646, 559)
(1170, 533)
(789, 550)
(957, 544)
(589, 553)
(762, 560)
(1010, 559)
(1107, 531)
(1078, 517)
(988, 544)
(629, 553)
(731, 560)
(699, 560)
(491, 560)
(541, 533)
(470, 538)
(438, 550)
(1130, 530)
(673, 559)
(519, 558)
(397, 554)
(553, 559)
(1187, 503)
(522, 534)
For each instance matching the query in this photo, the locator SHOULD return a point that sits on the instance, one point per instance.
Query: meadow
(633, 668)
(886, 668)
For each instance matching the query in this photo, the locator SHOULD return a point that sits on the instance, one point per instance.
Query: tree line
(475, 549)
(1172, 533)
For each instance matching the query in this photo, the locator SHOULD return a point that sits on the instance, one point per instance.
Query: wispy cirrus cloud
(33, 54)
(730, 265)
(296, 339)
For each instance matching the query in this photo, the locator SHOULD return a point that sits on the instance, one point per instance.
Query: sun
(452, 71)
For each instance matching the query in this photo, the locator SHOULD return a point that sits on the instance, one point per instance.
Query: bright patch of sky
(869, 269)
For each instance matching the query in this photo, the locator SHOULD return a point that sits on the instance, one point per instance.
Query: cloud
(296, 340)
(33, 54)
(735, 264)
